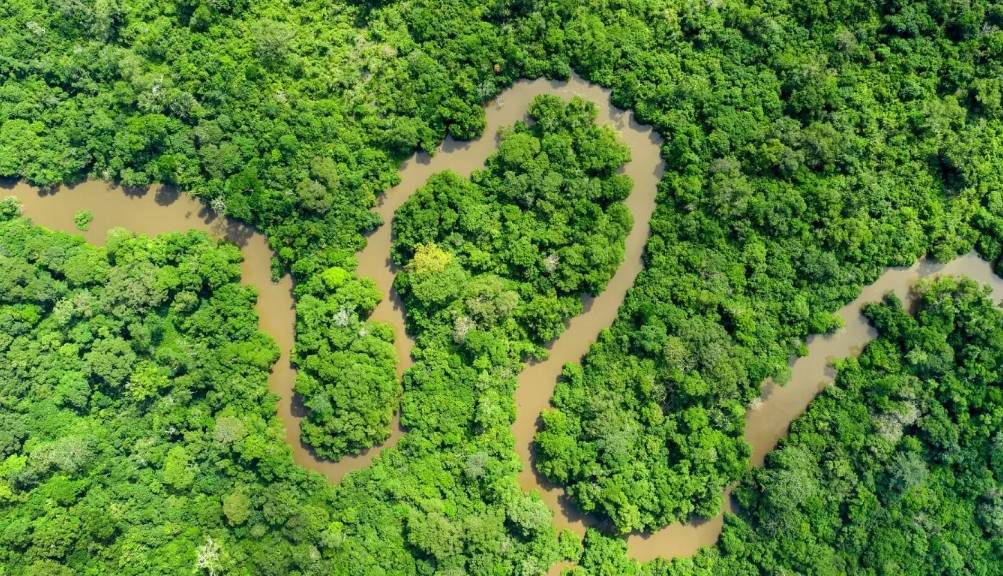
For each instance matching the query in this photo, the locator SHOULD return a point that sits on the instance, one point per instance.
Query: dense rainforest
(538, 211)
(142, 347)
(808, 145)
(347, 366)
(137, 435)
(897, 468)
(547, 210)
(491, 268)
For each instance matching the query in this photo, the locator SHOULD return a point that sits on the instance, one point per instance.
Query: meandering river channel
(159, 211)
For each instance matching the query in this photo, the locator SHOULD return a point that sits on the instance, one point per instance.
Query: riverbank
(163, 210)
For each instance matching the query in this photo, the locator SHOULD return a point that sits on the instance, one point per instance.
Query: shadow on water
(135, 191)
(167, 195)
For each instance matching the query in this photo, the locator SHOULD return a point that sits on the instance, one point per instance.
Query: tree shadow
(167, 195)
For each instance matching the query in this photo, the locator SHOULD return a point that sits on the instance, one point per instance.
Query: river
(163, 210)
(767, 420)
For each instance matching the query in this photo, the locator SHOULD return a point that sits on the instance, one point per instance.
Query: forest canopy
(482, 295)
(159, 318)
(894, 469)
(346, 365)
(808, 145)
(137, 434)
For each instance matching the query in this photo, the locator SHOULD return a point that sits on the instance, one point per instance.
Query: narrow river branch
(164, 210)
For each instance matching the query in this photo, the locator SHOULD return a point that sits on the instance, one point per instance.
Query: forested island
(806, 146)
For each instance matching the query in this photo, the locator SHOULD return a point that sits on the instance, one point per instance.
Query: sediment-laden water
(163, 210)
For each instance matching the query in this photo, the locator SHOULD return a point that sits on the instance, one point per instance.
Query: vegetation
(288, 116)
(808, 146)
(546, 211)
(895, 469)
(154, 375)
(82, 220)
(347, 366)
(481, 298)
(137, 435)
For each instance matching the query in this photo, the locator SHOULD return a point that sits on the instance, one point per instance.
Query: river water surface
(767, 421)
(162, 210)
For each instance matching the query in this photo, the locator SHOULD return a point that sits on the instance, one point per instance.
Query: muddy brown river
(159, 211)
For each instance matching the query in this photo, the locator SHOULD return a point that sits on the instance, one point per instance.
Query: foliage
(82, 220)
(808, 146)
(445, 499)
(546, 211)
(137, 435)
(292, 117)
(895, 469)
(163, 372)
(347, 366)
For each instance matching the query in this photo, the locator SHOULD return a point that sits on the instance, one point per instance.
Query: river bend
(162, 210)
